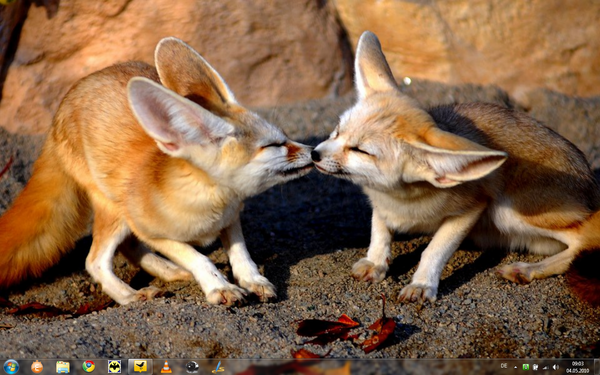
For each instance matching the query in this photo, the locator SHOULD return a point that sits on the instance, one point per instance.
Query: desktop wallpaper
(292, 63)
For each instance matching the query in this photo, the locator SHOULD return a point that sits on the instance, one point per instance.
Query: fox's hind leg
(243, 267)
(108, 232)
(155, 265)
(525, 272)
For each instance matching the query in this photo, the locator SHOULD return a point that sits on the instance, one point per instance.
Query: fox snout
(315, 156)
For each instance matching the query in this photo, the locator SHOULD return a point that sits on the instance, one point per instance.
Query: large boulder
(516, 44)
(270, 52)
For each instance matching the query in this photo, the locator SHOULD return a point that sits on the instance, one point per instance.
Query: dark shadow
(487, 260)
(405, 262)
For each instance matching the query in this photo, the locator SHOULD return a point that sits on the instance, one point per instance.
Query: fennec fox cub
(169, 164)
(475, 170)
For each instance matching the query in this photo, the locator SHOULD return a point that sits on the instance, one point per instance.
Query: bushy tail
(44, 222)
(584, 273)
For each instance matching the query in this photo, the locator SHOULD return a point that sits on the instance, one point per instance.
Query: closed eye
(356, 149)
(275, 144)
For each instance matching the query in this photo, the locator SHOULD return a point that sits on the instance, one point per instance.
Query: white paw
(260, 286)
(366, 270)
(520, 273)
(417, 293)
(227, 295)
(144, 294)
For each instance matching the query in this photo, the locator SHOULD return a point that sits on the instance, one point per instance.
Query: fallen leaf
(383, 328)
(6, 303)
(318, 327)
(35, 307)
(294, 367)
(6, 326)
(303, 353)
(86, 308)
(6, 167)
(344, 370)
(326, 331)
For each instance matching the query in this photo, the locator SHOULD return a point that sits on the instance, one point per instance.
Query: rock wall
(270, 52)
(518, 45)
(273, 52)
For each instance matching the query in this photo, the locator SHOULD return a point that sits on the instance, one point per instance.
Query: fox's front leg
(244, 269)
(375, 265)
(425, 281)
(214, 285)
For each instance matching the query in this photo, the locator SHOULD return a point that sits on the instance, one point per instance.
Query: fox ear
(171, 120)
(372, 71)
(451, 160)
(184, 71)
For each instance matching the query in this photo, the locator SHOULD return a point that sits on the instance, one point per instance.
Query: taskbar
(146, 366)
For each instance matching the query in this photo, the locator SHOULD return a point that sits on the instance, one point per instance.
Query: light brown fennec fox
(477, 171)
(171, 168)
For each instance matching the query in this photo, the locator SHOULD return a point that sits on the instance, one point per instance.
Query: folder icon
(140, 366)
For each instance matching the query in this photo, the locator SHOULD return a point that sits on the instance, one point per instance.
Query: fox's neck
(190, 186)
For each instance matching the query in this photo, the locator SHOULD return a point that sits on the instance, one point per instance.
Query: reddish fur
(292, 151)
(43, 223)
(584, 276)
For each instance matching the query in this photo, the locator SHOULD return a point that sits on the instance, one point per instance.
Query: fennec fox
(477, 170)
(170, 167)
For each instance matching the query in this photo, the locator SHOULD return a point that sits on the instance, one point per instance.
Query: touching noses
(314, 154)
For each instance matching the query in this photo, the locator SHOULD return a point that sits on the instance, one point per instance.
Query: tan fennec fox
(170, 167)
(477, 170)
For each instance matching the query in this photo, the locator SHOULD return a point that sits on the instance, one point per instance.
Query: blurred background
(274, 52)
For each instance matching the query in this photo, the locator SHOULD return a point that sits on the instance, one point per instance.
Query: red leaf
(6, 303)
(303, 353)
(294, 367)
(317, 327)
(34, 307)
(86, 308)
(383, 328)
(6, 167)
(387, 326)
(325, 339)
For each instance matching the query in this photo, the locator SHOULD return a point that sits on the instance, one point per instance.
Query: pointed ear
(171, 120)
(372, 71)
(184, 71)
(451, 160)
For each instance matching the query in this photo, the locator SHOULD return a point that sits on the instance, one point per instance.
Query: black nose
(315, 155)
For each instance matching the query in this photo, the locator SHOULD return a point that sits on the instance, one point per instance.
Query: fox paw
(144, 294)
(517, 272)
(261, 287)
(228, 295)
(366, 270)
(417, 293)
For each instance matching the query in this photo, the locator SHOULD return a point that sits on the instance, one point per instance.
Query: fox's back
(545, 175)
(95, 133)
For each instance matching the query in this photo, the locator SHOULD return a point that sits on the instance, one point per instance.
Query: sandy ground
(305, 236)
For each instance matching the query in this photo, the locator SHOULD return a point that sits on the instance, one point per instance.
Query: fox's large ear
(173, 121)
(372, 71)
(450, 159)
(184, 71)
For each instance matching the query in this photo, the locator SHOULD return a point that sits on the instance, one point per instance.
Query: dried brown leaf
(317, 327)
(87, 308)
(6, 167)
(35, 308)
(383, 328)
